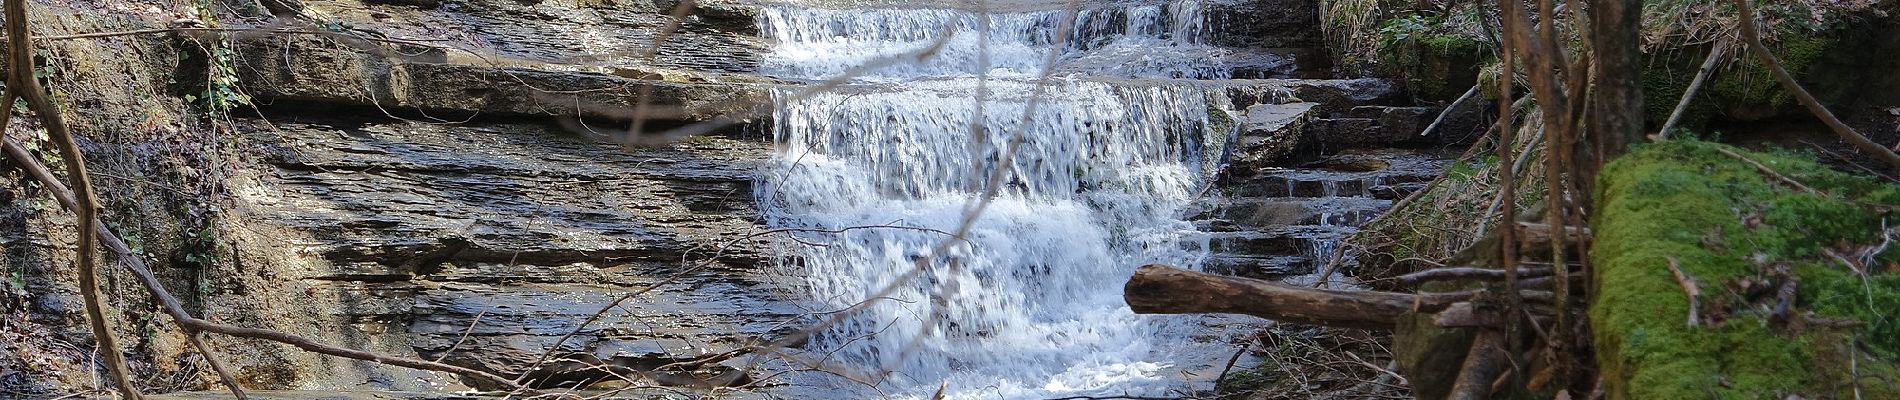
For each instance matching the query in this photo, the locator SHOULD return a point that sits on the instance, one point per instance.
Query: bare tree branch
(1688, 95)
(21, 76)
(1752, 35)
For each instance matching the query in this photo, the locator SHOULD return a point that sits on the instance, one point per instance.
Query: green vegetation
(1741, 234)
(1425, 49)
(1436, 46)
(1752, 83)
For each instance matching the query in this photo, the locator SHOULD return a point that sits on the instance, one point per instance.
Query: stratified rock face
(484, 243)
(484, 230)
(1265, 23)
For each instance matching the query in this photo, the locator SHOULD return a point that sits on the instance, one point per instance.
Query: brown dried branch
(1467, 274)
(1513, 21)
(21, 76)
(1450, 108)
(1160, 289)
(1770, 172)
(65, 197)
(1752, 35)
(1689, 288)
(1695, 85)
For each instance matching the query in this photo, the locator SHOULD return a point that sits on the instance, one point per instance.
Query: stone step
(307, 69)
(1374, 126)
(1291, 240)
(1363, 173)
(1317, 185)
(1271, 267)
(1396, 191)
(1264, 212)
(1331, 95)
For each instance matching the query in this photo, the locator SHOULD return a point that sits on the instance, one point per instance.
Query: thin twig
(709, 261)
(1770, 172)
(1230, 364)
(1689, 288)
(1850, 161)
(1467, 273)
(1469, 93)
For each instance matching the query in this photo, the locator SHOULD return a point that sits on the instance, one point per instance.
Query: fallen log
(1161, 289)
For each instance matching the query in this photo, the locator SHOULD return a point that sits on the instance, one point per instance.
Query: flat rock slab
(1268, 133)
(315, 69)
(717, 36)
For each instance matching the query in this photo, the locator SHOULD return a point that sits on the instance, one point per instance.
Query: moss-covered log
(1748, 238)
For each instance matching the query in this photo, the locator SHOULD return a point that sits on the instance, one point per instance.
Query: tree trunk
(1616, 106)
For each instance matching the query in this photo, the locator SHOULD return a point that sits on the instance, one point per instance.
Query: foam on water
(1029, 304)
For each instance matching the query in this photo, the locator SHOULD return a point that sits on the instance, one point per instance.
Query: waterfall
(884, 168)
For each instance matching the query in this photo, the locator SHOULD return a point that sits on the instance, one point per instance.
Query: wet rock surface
(1266, 23)
(1282, 222)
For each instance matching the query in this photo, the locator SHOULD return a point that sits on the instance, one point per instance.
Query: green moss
(1435, 58)
(1664, 81)
(1752, 83)
(1669, 200)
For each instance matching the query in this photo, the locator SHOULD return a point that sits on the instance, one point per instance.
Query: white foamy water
(1029, 304)
(820, 43)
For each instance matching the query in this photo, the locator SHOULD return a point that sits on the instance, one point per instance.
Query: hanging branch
(1752, 35)
(87, 208)
(1560, 133)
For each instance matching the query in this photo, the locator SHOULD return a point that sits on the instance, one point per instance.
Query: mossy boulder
(1435, 55)
(1744, 235)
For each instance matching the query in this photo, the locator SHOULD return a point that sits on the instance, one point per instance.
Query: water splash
(1029, 303)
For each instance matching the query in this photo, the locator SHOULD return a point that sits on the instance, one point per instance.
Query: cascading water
(1029, 302)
